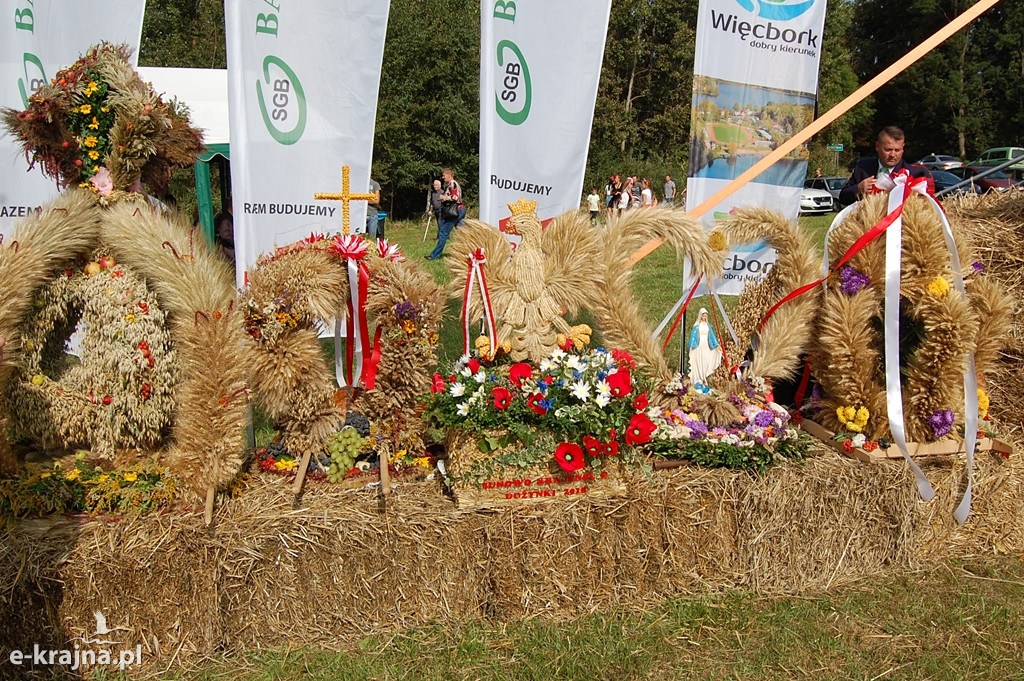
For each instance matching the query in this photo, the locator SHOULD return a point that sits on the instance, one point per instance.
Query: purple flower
(977, 266)
(853, 281)
(405, 310)
(763, 419)
(941, 422)
(699, 428)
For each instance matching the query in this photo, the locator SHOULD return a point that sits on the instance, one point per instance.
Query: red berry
(107, 399)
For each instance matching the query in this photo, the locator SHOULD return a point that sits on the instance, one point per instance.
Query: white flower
(675, 385)
(859, 439)
(457, 389)
(547, 365)
(463, 409)
(480, 376)
(574, 362)
(465, 372)
(603, 388)
(602, 399)
(558, 355)
(581, 390)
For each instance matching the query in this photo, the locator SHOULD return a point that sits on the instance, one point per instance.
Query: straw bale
(993, 223)
(345, 564)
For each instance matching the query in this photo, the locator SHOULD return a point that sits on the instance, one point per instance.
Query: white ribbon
(896, 198)
(476, 274)
(893, 386)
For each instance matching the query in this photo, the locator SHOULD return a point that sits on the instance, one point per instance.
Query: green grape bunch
(343, 448)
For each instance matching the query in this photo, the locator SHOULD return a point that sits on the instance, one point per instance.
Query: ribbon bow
(476, 272)
(389, 251)
(356, 361)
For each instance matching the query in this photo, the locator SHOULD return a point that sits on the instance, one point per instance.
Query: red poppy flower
(620, 382)
(437, 384)
(452, 378)
(474, 365)
(569, 456)
(640, 402)
(566, 345)
(613, 434)
(623, 359)
(519, 373)
(640, 430)
(611, 448)
(548, 380)
(593, 445)
(502, 398)
(534, 403)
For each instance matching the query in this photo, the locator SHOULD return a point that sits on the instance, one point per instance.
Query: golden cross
(345, 197)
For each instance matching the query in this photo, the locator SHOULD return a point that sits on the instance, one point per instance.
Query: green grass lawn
(958, 620)
(726, 134)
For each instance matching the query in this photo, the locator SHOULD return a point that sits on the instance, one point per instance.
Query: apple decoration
(93, 268)
(107, 262)
(38, 379)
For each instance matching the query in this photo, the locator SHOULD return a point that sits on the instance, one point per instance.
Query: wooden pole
(828, 117)
(208, 513)
(300, 475)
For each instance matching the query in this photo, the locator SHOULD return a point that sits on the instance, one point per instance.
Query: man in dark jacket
(867, 171)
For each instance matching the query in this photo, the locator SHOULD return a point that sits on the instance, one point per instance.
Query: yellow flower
(90, 141)
(286, 465)
(130, 477)
(421, 461)
(104, 109)
(95, 125)
(103, 478)
(73, 475)
(983, 403)
(433, 339)
(130, 317)
(717, 241)
(939, 287)
(91, 89)
(45, 475)
(94, 154)
(408, 326)
(862, 415)
(398, 456)
(85, 108)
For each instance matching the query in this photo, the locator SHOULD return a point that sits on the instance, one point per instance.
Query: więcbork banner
(755, 82)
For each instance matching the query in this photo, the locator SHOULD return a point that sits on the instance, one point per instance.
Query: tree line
(962, 98)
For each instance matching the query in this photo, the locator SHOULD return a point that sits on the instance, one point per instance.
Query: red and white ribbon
(476, 273)
(356, 360)
(389, 251)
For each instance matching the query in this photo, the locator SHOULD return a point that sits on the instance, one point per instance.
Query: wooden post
(300, 474)
(208, 513)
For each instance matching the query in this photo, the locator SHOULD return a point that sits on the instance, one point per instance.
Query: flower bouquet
(522, 432)
(745, 429)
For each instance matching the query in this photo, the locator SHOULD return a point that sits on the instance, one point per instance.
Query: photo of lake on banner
(737, 125)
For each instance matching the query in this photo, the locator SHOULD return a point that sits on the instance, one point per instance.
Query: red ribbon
(680, 315)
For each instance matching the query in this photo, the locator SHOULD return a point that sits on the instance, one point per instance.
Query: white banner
(755, 79)
(37, 39)
(302, 85)
(537, 101)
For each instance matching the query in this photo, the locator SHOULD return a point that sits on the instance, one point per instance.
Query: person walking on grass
(453, 211)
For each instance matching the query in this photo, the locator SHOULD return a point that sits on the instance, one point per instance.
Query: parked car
(997, 180)
(940, 162)
(832, 185)
(1000, 155)
(815, 201)
(945, 180)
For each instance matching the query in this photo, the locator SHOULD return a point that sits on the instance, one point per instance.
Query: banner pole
(828, 117)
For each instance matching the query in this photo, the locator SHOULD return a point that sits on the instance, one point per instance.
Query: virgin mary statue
(704, 353)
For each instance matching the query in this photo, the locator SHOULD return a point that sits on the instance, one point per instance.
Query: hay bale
(342, 566)
(994, 224)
